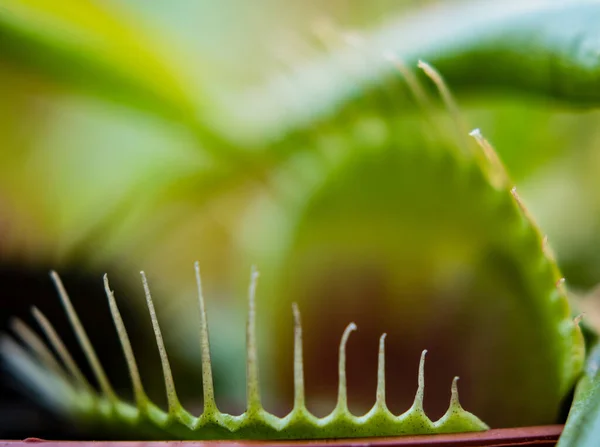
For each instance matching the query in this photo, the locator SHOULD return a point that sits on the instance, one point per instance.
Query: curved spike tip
(418, 403)
(454, 398)
(299, 397)
(448, 100)
(380, 396)
(498, 175)
(252, 382)
(342, 401)
(134, 374)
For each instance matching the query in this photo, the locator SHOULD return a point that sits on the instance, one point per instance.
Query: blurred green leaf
(104, 51)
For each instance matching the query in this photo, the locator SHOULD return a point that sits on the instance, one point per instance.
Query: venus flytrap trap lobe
(510, 236)
(255, 423)
(484, 167)
(543, 293)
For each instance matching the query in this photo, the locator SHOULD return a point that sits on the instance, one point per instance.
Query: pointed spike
(454, 401)
(342, 403)
(61, 350)
(498, 173)
(418, 403)
(40, 349)
(520, 203)
(83, 339)
(210, 406)
(138, 389)
(381, 373)
(486, 147)
(252, 384)
(418, 92)
(529, 217)
(547, 249)
(299, 397)
(172, 399)
(416, 88)
(449, 101)
(456, 418)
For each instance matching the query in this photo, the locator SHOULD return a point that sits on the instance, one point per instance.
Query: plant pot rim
(539, 436)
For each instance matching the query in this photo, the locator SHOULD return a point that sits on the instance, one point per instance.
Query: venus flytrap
(354, 106)
(482, 166)
(474, 168)
(446, 180)
(82, 401)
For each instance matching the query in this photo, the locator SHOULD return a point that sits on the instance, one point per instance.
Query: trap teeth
(255, 423)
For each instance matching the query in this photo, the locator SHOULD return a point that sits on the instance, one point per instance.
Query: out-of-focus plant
(347, 191)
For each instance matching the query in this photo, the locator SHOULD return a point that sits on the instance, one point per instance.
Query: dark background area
(24, 286)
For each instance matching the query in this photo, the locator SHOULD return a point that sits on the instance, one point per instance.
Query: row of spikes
(254, 404)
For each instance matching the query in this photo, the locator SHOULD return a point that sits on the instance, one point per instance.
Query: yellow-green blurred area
(121, 149)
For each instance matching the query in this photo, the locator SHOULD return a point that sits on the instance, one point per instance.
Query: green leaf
(582, 428)
(88, 45)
